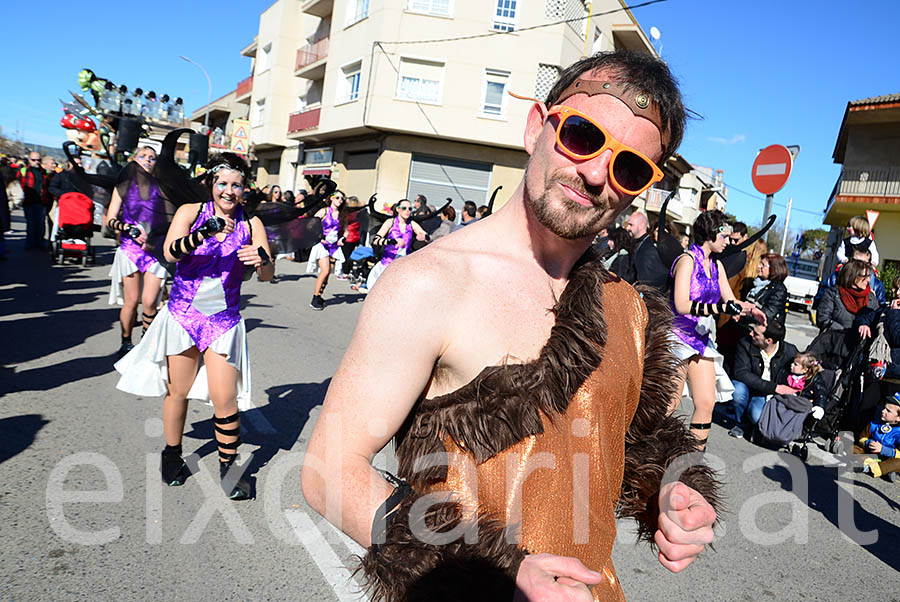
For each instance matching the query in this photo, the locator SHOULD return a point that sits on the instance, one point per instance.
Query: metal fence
(870, 181)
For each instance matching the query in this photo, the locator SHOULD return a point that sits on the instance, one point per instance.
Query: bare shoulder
(679, 263)
(190, 210)
(431, 277)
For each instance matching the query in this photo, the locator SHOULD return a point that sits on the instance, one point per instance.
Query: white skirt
(123, 266)
(319, 252)
(145, 372)
(374, 273)
(684, 352)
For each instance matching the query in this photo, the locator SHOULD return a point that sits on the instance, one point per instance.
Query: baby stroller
(75, 225)
(844, 384)
(364, 260)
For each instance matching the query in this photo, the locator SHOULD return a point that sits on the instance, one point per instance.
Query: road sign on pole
(771, 171)
(772, 168)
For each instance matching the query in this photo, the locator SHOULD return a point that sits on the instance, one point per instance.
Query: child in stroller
(75, 225)
(783, 416)
(882, 437)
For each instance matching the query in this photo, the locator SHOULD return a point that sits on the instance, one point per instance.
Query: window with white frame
(259, 112)
(357, 10)
(495, 82)
(420, 79)
(505, 15)
(438, 8)
(348, 85)
(265, 58)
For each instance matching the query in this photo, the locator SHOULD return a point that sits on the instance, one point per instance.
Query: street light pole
(209, 92)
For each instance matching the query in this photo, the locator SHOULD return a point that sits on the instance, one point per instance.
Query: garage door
(440, 177)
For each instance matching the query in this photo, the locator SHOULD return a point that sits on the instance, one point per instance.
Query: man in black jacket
(648, 265)
(761, 357)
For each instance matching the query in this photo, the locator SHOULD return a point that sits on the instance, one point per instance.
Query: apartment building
(868, 149)
(405, 97)
(219, 116)
(697, 189)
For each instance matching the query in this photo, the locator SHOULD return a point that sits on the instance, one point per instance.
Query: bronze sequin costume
(542, 456)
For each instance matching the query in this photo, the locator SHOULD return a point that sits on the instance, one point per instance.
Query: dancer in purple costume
(396, 235)
(327, 256)
(701, 292)
(139, 199)
(202, 319)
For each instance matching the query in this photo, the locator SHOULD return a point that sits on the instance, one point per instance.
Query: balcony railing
(655, 197)
(870, 181)
(303, 120)
(244, 87)
(309, 54)
(877, 181)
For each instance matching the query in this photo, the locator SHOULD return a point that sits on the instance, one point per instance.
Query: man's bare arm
(386, 368)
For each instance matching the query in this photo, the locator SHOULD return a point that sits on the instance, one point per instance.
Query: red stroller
(76, 225)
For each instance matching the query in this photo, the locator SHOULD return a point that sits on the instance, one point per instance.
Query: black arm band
(120, 226)
(379, 524)
(181, 247)
(710, 309)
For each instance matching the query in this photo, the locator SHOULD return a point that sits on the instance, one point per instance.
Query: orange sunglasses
(581, 138)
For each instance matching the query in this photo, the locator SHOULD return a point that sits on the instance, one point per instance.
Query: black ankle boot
(239, 490)
(172, 467)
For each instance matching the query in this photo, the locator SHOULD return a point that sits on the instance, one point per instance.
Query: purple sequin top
(331, 225)
(146, 212)
(206, 292)
(704, 289)
(404, 242)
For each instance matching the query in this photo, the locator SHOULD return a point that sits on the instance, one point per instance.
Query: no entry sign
(772, 168)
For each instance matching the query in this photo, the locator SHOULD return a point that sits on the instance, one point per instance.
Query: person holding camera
(213, 244)
(700, 293)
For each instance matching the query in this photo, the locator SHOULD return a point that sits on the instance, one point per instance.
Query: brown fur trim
(407, 569)
(654, 440)
(503, 405)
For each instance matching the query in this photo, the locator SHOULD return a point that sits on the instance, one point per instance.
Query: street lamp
(209, 93)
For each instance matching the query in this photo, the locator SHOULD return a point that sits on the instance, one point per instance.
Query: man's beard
(566, 218)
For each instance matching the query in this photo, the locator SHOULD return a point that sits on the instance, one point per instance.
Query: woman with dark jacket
(841, 305)
(767, 291)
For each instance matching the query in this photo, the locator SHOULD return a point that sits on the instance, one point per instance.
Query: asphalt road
(84, 516)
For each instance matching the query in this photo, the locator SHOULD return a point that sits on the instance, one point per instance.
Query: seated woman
(841, 304)
(767, 291)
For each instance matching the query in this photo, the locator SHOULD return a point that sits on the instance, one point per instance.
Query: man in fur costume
(529, 409)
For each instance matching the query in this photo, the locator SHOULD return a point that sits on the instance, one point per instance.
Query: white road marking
(771, 169)
(331, 567)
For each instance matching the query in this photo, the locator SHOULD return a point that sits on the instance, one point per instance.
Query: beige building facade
(406, 97)
(868, 149)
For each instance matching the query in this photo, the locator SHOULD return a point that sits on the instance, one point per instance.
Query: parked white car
(801, 291)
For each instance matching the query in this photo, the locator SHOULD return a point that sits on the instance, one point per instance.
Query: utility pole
(787, 220)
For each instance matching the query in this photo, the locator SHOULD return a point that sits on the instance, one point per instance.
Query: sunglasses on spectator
(582, 138)
(405, 208)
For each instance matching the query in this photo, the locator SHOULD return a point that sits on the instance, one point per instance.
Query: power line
(782, 205)
(500, 33)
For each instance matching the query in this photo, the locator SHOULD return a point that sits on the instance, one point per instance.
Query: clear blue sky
(760, 72)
